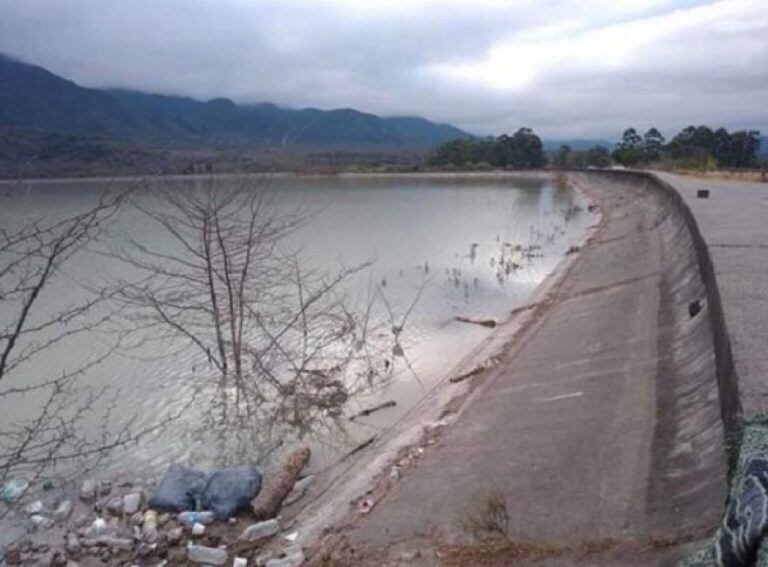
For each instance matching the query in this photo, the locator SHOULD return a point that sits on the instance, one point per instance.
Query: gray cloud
(566, 68)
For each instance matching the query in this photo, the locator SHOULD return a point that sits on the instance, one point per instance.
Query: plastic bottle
(149, 526)
(13, 489)
(190, 518)
(208, 555)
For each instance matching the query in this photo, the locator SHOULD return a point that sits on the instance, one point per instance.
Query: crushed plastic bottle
(13, 489)
(206, 555)
(190, 518)
(149, 526)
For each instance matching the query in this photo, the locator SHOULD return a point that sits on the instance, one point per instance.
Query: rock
(34, 508)
(58, 558)
(115, 543)
(13, 555)
(206, 555)
(293, 560)
(71, 563)
(145, 549)
(73, 544)
(114, 505)
(175, 535)
(162, 519)
(260, 530)
(41, 522)
(105, 487)
(88, 489)
(137, 518)
(240, 562)
(63, 510)
(177, 556)
(98, 528)
(198, 529)
(131, 503)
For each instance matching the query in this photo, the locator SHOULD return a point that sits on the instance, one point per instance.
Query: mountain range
(34, 99)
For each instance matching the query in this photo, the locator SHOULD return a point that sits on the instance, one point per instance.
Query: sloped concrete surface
(734, 223)
(606, 420)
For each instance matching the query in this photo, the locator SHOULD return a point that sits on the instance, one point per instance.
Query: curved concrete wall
(727, 379)
(696, 387)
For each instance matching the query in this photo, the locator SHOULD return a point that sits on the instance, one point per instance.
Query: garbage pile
(191, 517)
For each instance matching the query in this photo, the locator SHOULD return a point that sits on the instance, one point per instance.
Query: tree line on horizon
(522, 150)
(698, 147)
(693, 146)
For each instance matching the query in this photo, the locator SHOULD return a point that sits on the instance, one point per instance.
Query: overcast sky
(567, 68)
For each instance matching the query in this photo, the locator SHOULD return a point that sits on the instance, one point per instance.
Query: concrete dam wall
(607, 417)
(696, 388)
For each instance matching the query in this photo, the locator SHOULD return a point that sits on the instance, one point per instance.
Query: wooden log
(269, 501)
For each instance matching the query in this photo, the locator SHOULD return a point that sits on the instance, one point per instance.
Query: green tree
(562, 157)
(653, 145)
(629, 150)
(597, 156)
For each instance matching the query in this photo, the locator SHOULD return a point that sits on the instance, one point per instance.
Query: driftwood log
(269, 501)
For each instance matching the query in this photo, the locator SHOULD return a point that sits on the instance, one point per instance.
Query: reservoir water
(440, 248)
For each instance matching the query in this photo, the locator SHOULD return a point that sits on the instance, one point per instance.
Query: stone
(13, 555)
(198, 529)
(105, 487)
(63, 510)
(162, 519)
(58, 558)
(114, 505)
(145, 549)
(34, 508)
(175, 535)
(73, 544)
(260, 530)
(97, 528)
(206, 555)
(88, 489)
(131, 503)
(71, 563)
(293, 560)
(116, 543)
(41, 522)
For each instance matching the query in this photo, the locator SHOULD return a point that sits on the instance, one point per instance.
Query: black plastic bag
(180, 490)
(230, 490)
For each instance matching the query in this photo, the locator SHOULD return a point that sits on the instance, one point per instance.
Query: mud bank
(604, 417)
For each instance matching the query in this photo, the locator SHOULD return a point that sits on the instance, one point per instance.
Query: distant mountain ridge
(32, 98)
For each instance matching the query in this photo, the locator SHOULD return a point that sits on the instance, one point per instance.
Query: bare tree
(34, 323)
(278, 338)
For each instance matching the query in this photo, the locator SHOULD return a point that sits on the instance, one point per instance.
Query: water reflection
(442, 249)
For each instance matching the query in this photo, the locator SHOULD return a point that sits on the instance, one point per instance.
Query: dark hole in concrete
(702, 193)
(693, 308)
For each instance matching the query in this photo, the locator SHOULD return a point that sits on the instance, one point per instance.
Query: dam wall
(607, 417)
(688, 247)
(696, 387)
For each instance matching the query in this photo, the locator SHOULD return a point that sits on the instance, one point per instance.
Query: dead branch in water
(368, 411)
(461, 377)
(490, 323)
